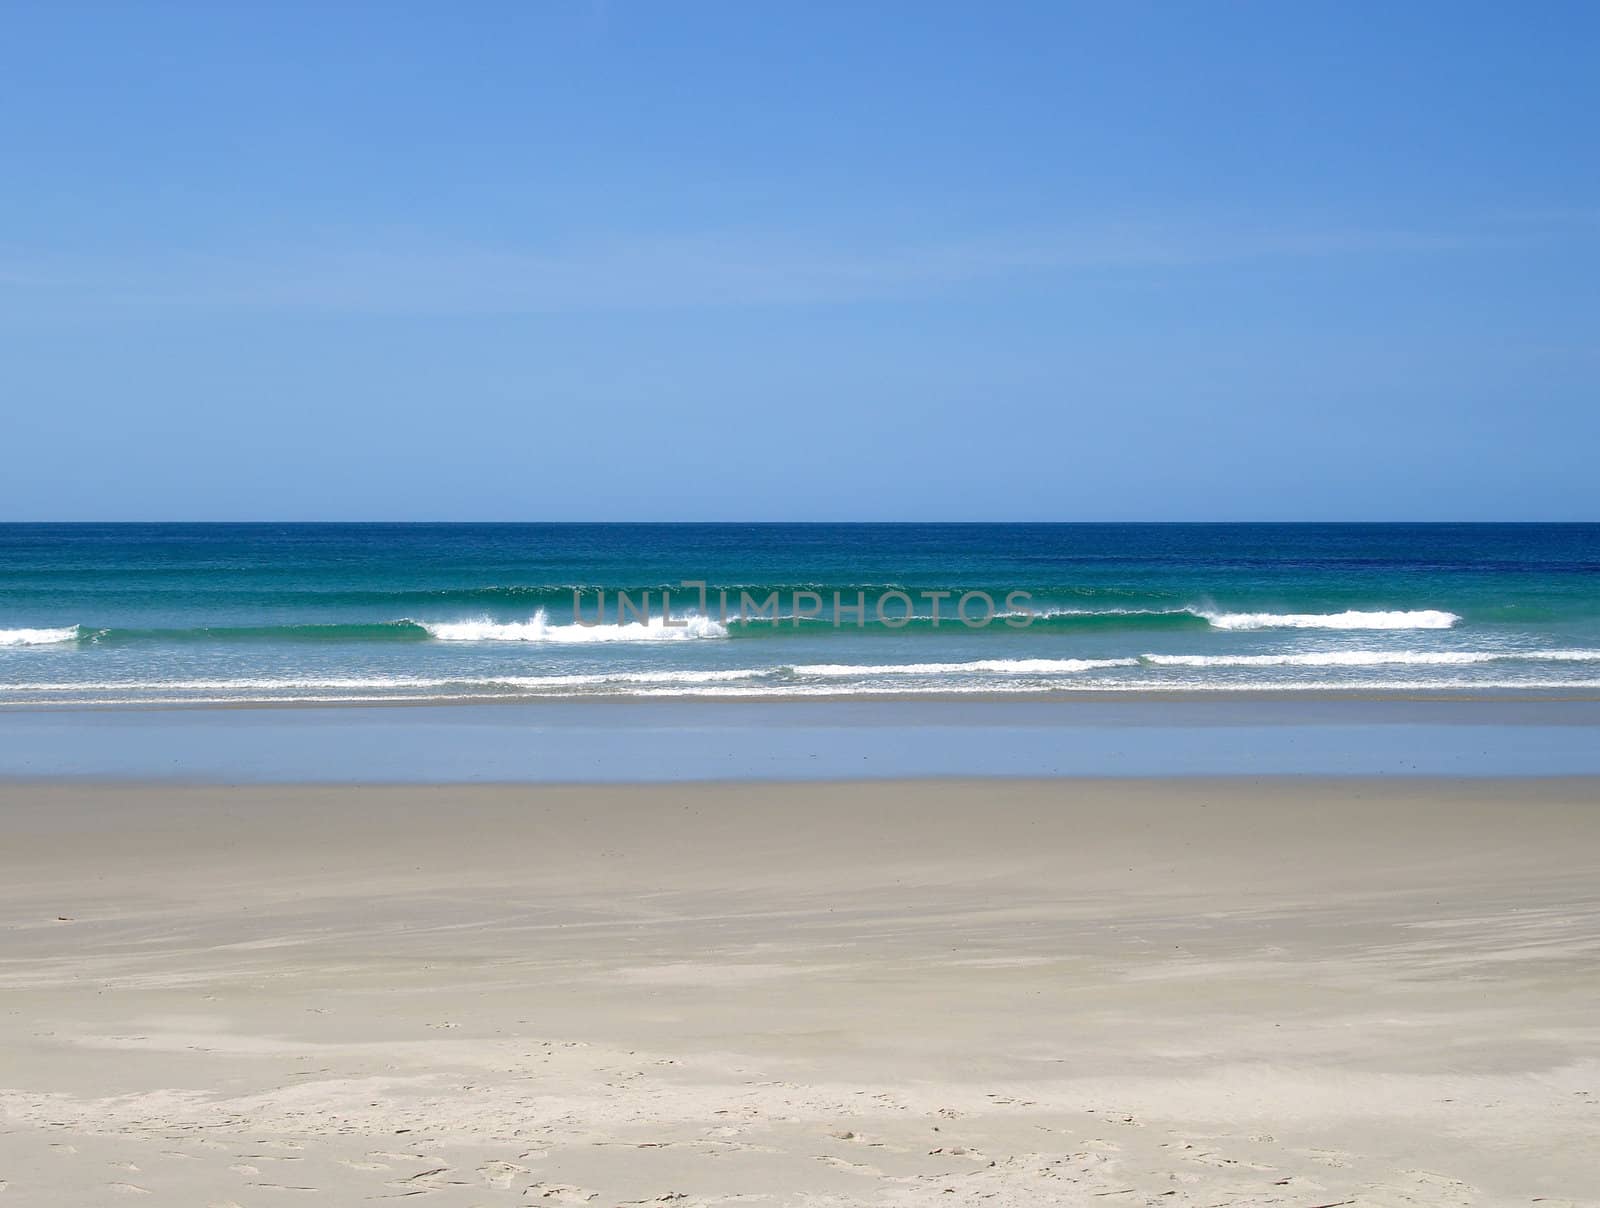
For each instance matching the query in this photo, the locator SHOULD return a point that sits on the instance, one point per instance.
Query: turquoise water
(114, 614)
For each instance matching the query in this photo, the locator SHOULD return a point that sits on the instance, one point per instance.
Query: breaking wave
(1427, 618)
(1372, 658)
(539, 629)
(38, 637)
(993, 666)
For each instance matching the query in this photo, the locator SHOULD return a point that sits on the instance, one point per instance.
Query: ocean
(133, 614)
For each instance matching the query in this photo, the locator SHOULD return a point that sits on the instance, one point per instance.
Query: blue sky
(752, 261)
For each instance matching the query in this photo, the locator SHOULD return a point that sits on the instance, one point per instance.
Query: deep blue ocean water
(351, 613)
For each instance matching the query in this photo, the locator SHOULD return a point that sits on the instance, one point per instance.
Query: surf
(539, 628)
(1425, 618)
(38, 637)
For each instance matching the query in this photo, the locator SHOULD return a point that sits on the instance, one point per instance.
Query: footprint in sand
(853, 1167)
(1299, 1183)
(1212, 1158)
(855, 1138)
(560, 1193)
(1440, 1186)
(501, 1174)
(1328, 1157)
(428, 1179)
(127, 1188)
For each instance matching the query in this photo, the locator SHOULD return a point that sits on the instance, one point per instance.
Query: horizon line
(791, 523)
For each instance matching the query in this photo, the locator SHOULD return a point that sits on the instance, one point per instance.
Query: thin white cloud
(736, 268)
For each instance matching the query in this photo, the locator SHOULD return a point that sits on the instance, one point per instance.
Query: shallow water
(619, 741)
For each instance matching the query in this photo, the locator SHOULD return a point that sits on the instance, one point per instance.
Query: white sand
(1176, 993)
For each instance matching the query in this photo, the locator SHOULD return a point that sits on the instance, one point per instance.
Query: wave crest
(38, 637)
(1371, 658)
(1425, 618)
(997, 666)
(539, 629)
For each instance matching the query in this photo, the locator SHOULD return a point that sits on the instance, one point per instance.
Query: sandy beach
(1185, 992)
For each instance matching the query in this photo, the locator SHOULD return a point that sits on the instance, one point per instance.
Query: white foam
(981, 687)
(38, 637)
(388, 682)
(1370, 658)
(623, 677)
(1426, 618)
(538, 629)
(1349, 686)
(997, 666)
(1326, 658)
(1103, 612)
(1098, 684)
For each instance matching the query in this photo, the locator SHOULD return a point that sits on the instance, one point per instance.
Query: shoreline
(1099, 695)
(1294, 991)
(647, 741)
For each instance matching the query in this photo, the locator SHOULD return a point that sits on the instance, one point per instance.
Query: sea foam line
(38, 637)
(822, 691)
(1426, 618)
(786, 674)
(539, 629)
(1000, 687)
(999, 666)
(367, 683)
(1372, 658)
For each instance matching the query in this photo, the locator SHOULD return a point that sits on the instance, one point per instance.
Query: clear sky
(799, 261)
